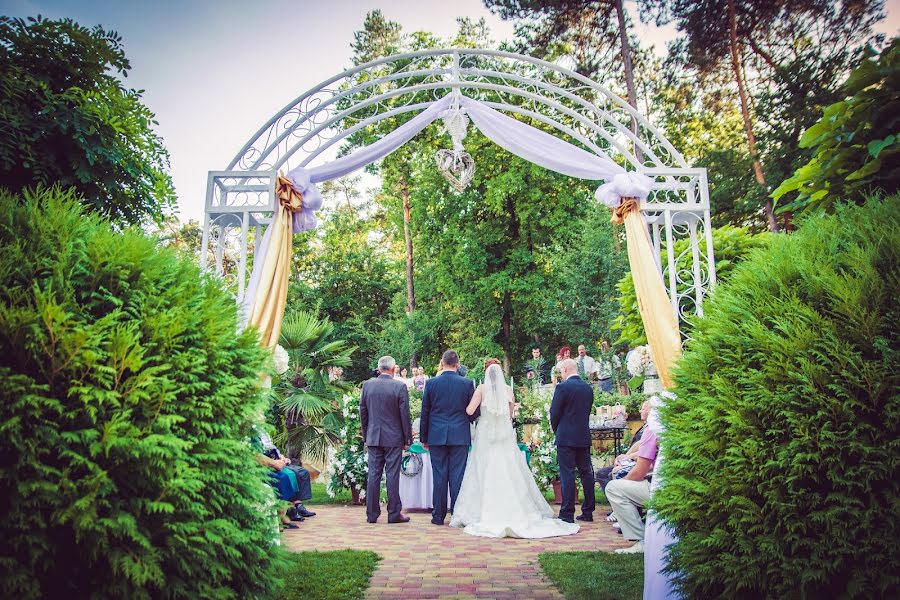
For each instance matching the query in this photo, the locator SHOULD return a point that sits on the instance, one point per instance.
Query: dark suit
(570, 414)
(386, 429)
(444, 427)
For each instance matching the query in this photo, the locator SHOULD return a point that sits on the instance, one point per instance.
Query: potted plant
(349, 466)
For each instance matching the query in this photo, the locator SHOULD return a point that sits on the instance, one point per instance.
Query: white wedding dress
(499, 497)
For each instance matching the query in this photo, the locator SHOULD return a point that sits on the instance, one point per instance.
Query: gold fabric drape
(268, 306)
(660, 322)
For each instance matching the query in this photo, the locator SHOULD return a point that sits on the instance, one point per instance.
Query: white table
(416, 492)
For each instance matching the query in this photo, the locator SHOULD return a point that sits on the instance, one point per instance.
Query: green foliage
(305, 394)
(126, 398)
(66, 119)
(338, 575)
(595, 575)
(856, 143)
(347, 269)
(730, 246)
(787, 424)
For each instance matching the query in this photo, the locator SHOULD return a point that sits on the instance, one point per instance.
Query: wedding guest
(606, 367)
(604, 475)
(630, 494)
(537, 371)
(420, 379)
(298, 476)
(564, 353)
(587, 366)
(556, 376)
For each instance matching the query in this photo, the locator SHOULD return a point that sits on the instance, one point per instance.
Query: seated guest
(301, 477)
(284, 483)
(631, 493)
(604, 475)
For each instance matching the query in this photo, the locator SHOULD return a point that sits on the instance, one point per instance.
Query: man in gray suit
(387, 432)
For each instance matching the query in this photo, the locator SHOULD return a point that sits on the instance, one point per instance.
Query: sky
(215, 71)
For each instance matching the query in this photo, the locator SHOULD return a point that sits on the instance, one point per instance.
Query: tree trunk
(410, 289)
(629, 72)
(745, 113)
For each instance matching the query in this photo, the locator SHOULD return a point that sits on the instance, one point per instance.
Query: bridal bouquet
(349, 466)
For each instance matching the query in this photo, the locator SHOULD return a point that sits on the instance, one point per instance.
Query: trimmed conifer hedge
(125, 399)
(783, 446)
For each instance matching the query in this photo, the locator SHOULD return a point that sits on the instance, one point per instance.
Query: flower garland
(544, 465)
(349, 467)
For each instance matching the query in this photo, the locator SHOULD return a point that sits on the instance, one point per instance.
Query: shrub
(125, 400)
(782, 447)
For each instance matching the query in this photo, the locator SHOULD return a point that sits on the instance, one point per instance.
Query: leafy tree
(126, 398)
(857, 141)
(731, 245)
(66, 119)
(306, 395)
(788, 420)
(800, 45)
(348, 270)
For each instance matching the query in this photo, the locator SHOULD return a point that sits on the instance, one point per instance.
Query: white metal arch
(580, 110)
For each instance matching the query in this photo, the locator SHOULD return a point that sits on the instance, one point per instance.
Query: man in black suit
(570, 419)
(444, 430)
(387, 432)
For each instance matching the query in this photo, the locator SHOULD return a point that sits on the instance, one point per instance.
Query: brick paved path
(421, 560)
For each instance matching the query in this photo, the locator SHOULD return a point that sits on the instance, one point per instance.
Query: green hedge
(125, 399)
(783, 445)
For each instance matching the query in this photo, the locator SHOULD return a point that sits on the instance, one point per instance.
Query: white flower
(280, 358)
(640, 362)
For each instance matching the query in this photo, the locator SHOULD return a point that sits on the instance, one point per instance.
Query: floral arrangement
(349, 466)
(544, 465)
(640, 362)
(280, 360)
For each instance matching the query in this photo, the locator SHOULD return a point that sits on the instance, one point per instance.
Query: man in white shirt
(587, 366)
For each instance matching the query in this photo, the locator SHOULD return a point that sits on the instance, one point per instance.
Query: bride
(499, 497)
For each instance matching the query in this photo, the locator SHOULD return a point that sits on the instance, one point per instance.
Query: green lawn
(595, 575)
(320, 496)
(339, 575)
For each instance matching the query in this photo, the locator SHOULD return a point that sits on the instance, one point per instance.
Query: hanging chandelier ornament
(456, 165)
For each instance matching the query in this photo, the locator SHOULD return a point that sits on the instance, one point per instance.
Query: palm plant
(307, 398)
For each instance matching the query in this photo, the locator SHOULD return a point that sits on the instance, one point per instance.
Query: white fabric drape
(538, 146)
(517, 137)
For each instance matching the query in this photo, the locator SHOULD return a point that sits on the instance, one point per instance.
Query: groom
(445, 432)
(570, 414)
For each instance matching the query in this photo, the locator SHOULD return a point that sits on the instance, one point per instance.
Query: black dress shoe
(433, 522)
(588, 518)
(301, 510)
(400, 519)
(567, 520)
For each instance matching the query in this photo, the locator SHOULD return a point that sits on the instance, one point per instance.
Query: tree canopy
(67, 119)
